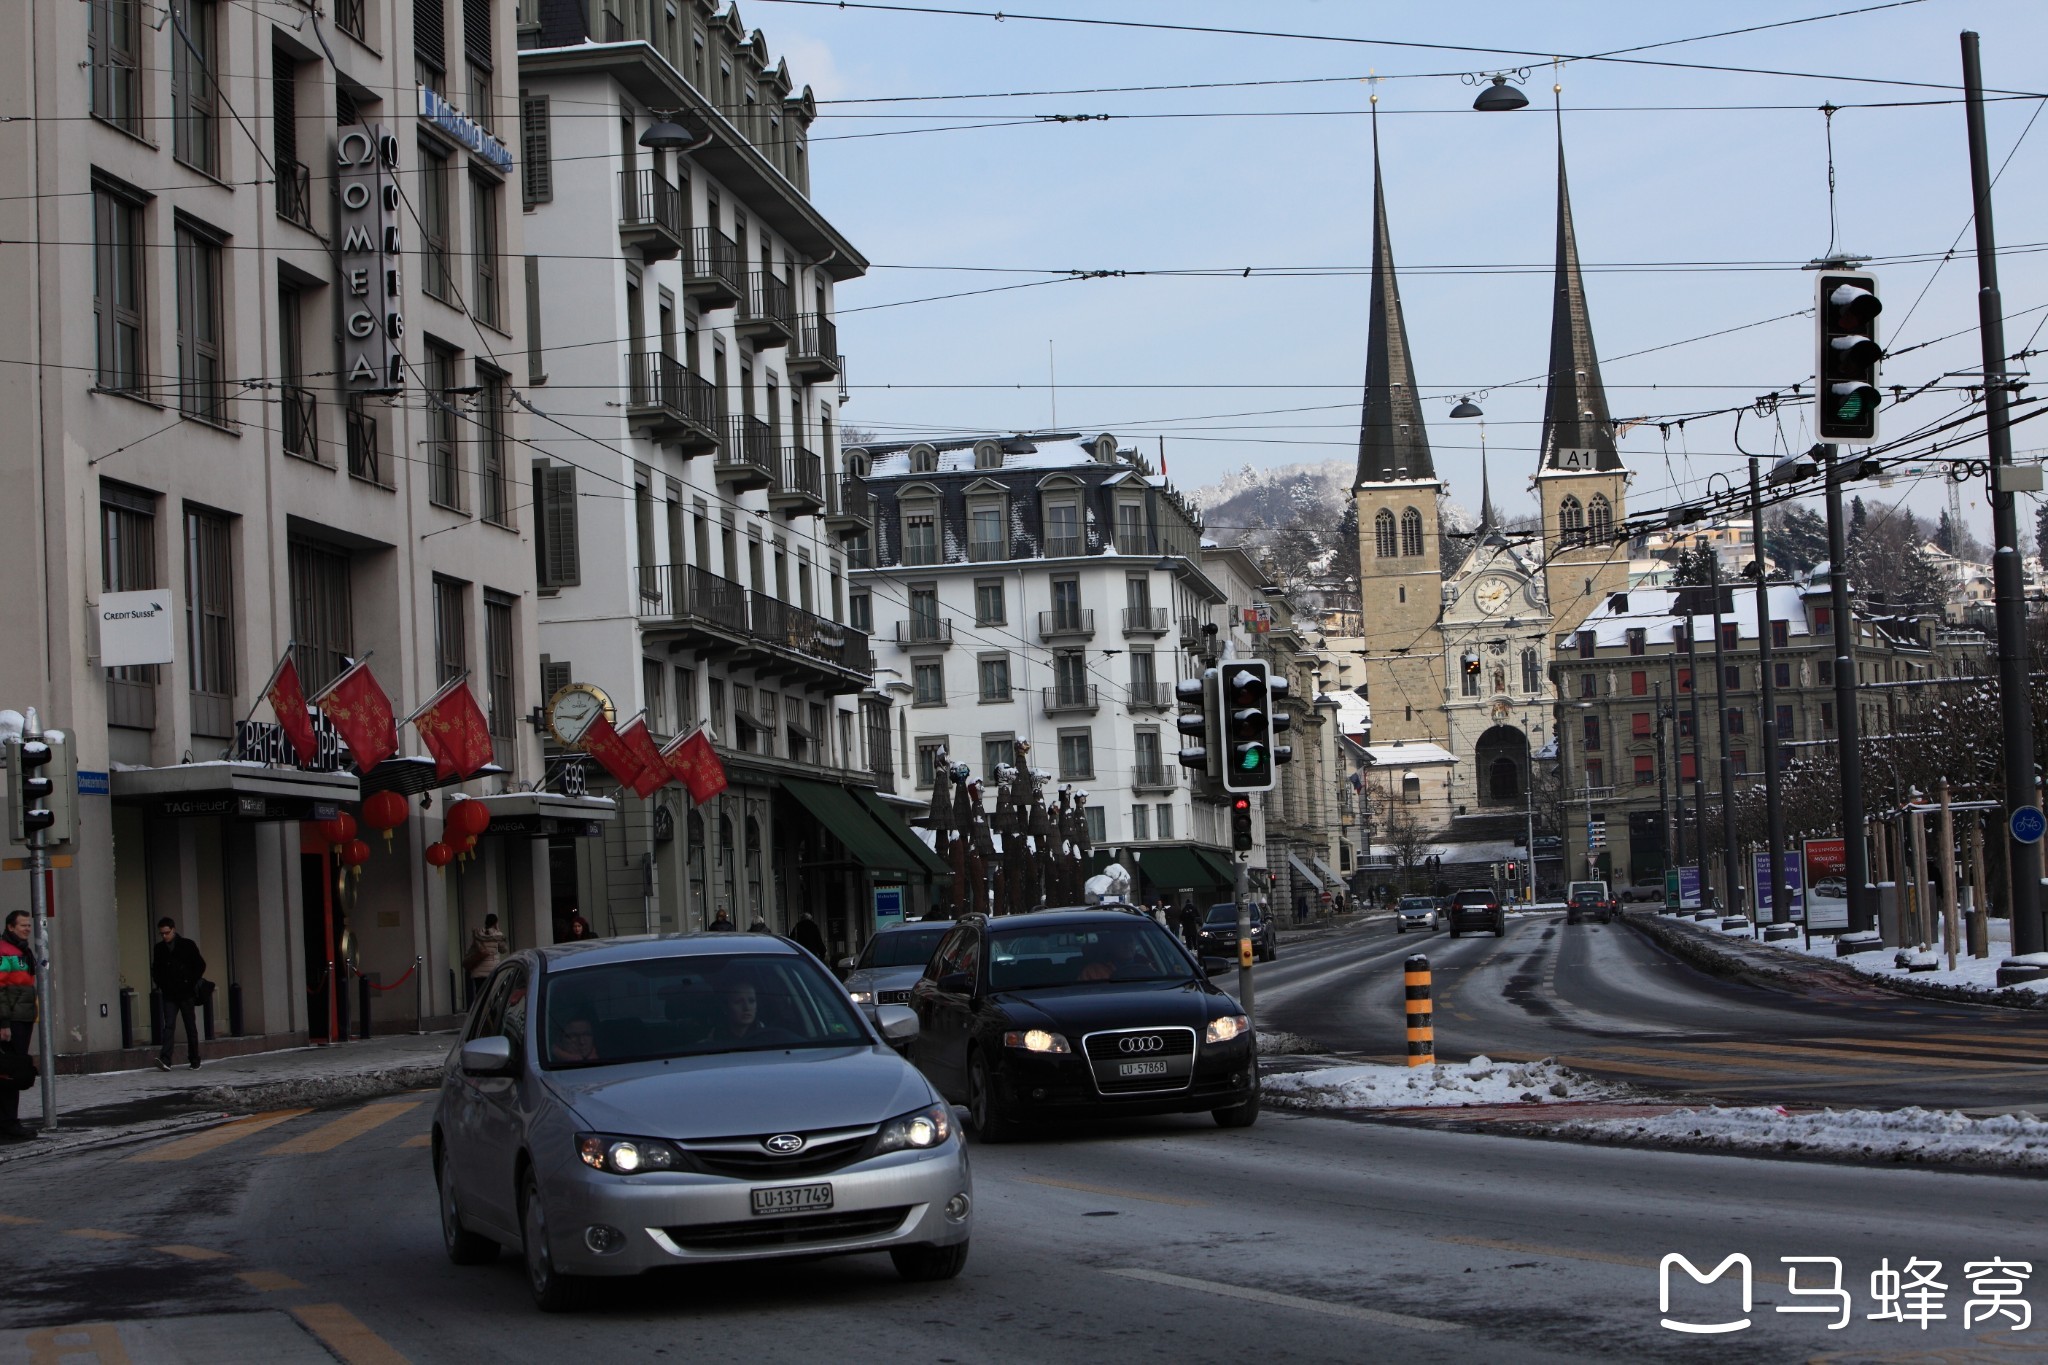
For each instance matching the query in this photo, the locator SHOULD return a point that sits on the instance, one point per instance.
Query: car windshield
(693, 1005)
(905, 948)
(1034, 958)
(1227, 914)
(1417, 903)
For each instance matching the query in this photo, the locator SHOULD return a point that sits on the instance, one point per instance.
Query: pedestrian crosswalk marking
(1953, 1047)
(15, 1220)
(353, 1124)
(268, 1280)
(1534, 1249)
(199, 1144)
(1814, 1050)
(189, 1253)
(99, 1235)
(1726, 1055)
(419, 1140)
(343, 1333)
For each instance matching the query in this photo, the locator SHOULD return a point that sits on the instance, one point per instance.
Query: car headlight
(862, 997)
(920, 1128)
(1228, 1027)
(627, 1155)
(1036, 1040)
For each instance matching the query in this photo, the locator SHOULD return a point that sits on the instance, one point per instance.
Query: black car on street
(1218, 935)
(1065, 1015)
(1475, 912)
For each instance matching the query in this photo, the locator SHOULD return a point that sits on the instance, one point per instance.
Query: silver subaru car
(624, 1105)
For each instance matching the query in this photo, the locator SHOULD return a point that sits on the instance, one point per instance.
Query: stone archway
(1501, 762)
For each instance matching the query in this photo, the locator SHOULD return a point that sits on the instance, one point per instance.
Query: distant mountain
(1258, 500)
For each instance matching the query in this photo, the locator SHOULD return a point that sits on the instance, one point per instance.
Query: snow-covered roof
(1049, 455)
(1354, 713)
(1655, 610)
(1405, 755)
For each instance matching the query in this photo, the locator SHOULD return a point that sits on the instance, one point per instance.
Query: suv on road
(1645, 889)
(1475, 911)
(1588, 900)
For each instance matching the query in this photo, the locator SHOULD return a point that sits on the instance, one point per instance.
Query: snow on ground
(1979, 973)
(1480, 1081)
(1280, 1043)
(2011, 1141)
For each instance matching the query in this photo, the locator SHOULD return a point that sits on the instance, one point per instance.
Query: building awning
(1179, 867)
(1219, 865)
(846, 820)
(927, 861)
(411, 775)
(234, 791)
(536, 815)
(1301, 870)
(1333, 880)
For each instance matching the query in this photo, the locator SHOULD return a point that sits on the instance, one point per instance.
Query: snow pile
(1280, 1043)
(1481, 1081)
(2012, 1141)
(1979, 973)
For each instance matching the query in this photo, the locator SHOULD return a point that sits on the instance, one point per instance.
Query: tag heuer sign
(135, 628)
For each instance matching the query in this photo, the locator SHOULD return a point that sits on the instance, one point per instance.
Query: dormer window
(1105, 449)
(988, 455)
(924, 460)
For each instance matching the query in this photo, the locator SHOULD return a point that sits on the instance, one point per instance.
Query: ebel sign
(372, 321)
(135, 628)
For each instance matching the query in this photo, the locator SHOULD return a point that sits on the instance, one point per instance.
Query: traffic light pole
(1243, 892)
(1848, 720)
(1729, 879)
(39, 935)
(2014, 701)
(1774, 805)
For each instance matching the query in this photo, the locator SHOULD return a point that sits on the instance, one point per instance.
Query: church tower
(1580, 480)
(1400, 586)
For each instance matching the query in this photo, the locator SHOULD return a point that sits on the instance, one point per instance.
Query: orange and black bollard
(1421, 1025)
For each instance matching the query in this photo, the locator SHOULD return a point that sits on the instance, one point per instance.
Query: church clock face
(1491, 594)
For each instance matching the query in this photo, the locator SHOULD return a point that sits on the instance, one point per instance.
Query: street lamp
(1498, 96)
(666, 135)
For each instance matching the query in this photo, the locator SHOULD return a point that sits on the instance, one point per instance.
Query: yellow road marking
(419, 1140)
(1708, 1054)
(198, 1144)
(1998, 1049)
(345, 1335)
(1805, 1050)
(1338, 1310)
(1113, 1193)
(100, 1341)
(1643, 1069)
(99, 1235)
(267, 1280)
(15, 1220)
(354, 1124)
(193, 1253)
(1536, 1249)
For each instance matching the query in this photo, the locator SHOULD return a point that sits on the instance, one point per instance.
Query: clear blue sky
(1266, 370)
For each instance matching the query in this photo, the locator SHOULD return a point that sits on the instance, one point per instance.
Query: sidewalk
(124, 1106)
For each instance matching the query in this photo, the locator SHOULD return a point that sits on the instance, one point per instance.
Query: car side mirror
(1217, 966)
(845, 965)
(897, 1022)
(488, 1056)
(956, 983)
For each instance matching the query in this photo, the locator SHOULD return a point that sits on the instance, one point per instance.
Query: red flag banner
(288, 700)
(654, 773)
(695, 764)
(455, 732)
(362, 713)
(602, 743)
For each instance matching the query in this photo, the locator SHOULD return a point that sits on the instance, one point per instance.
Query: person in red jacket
(17, 1016)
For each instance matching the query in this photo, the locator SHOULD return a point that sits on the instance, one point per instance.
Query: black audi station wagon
(1064, 1015)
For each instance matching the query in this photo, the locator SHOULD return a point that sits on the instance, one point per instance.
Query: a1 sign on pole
(2027, 824)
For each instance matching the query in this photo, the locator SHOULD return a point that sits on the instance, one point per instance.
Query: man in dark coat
(17, 1017)
(176, 969)
(1190, 923)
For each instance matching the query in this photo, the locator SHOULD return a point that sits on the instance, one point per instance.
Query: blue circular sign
(2028, 824)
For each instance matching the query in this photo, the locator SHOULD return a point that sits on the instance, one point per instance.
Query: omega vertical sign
(372, 325)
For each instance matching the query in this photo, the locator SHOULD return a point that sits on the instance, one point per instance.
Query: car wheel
(984, 1109)
(553, 1291)
(1237, 1115)
(1500, 930)
(929, 1263)
(464, 1247)
(1400, 928)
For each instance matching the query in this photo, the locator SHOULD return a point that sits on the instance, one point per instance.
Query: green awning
(848, 821)
(924, 860)
(1176, 868)
(1220, 868)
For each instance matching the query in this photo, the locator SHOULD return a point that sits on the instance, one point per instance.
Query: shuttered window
(537, 169)
(476, 32)
(430, 36)
(554, 493)
(323, 627)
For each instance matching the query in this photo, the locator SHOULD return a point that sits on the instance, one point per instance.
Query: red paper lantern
(354, 853)
(338, 830)
(439, 855)
(384, 810)
(469, 818)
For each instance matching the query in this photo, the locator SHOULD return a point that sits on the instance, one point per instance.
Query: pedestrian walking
(723, 924)
(1190, 923)
(486, 951)
(759, 926)
(808, 936)
(17, 1024)
(176, 969)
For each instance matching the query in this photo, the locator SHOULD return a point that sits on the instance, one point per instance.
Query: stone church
(1458, 646)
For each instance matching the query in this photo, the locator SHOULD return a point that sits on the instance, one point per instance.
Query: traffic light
(1277, 689)
(1247, 717)
(1846, 310)
(1241, 822)
(1197, 720)
(44, 800)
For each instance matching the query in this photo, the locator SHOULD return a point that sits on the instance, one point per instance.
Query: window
(1781, 634)
(1532, 672)
(1145, 756)
(436, 275)
(1734, 720)
(323, 627)
(1063, 529)
(1638, 683)
(1592, 734)
(1827, 715)
(924, 614)
(429, 41)
(554, 544)
(1098, 824)
(451, 628)
(1589, 684)
(210, 621)
(476, 47)
(1130, 529)
(202, 367)
(986, 539)
(1596, 773)
(1411, 789)
(1824, 670)
(1077, 755)
(1585, 643)
(1070, 678)
(1786, 728)
(195, 115)
(1571, 523)
(1639, 724)
(444, 452)
(920, 536)
(1066, 604)
(1468, 675)
(1731, 677)
(501, 696)
(118, 284)
(1781, 675)
(1141, 822)
(928, 751)
(1823, 621)
(860, 612)
(1599, 520)
(113, 44)
(1411, 533)
(486, 298)
(929, 681)
(1144, 679)
(1638, 639)
(1646, 770)
(128, 564)
(996, 751)
(686, 699)
(1685, 724)
(1739, 760)
(994, 672)
(988, 602)
(1688, 768)
(1684, 680)
(923, 459)
(1383, 535)
(493, 481)
(536, 163)
(1731, 635)
(1162, 819)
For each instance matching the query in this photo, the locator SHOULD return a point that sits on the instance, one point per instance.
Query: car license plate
(1141, 1068)
(793, 1199)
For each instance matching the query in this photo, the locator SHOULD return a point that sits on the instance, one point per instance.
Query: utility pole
(1728, 877)
(1699, 777)
(2014, 703)
(1678, 812)
(1774, 808)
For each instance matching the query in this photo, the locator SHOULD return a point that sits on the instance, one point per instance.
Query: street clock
(572, 709)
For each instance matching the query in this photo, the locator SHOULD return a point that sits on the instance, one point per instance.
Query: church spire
(1485, 493)
(1578, 433)
(1392, 444)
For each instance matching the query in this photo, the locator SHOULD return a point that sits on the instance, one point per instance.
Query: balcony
(1073, 624)
(666, 403)
(853, 512)
(712, 274)
(301, 421)
(924, 630)
(1144, 620)
(1152, 696)
(987, 551)
(1153, 776)
(1133, 541)
(786, 631)
(1191, 636)
(651, 215)
(1063, 547)
(365, 460)
(801, 490)
(295, 192)
(747, 459)
(814, 355)
(693, 611)
(1067, 701)
(767, 317)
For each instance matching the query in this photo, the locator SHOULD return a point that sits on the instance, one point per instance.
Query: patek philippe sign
(372, 320)
(262, 741)
(135, 628)
(464, 129)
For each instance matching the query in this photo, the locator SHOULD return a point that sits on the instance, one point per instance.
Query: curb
(72, 1140)
(1702, 952)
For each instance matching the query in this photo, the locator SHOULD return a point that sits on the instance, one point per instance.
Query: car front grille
(747, 1159)
(892, 997)
(795, 1230)
(1105, 1052)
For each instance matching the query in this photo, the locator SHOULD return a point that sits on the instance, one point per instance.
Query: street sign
(2028, 824)
(888, 906)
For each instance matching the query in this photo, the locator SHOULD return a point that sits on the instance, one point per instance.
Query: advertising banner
(1827, 895)
(1760, 878)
